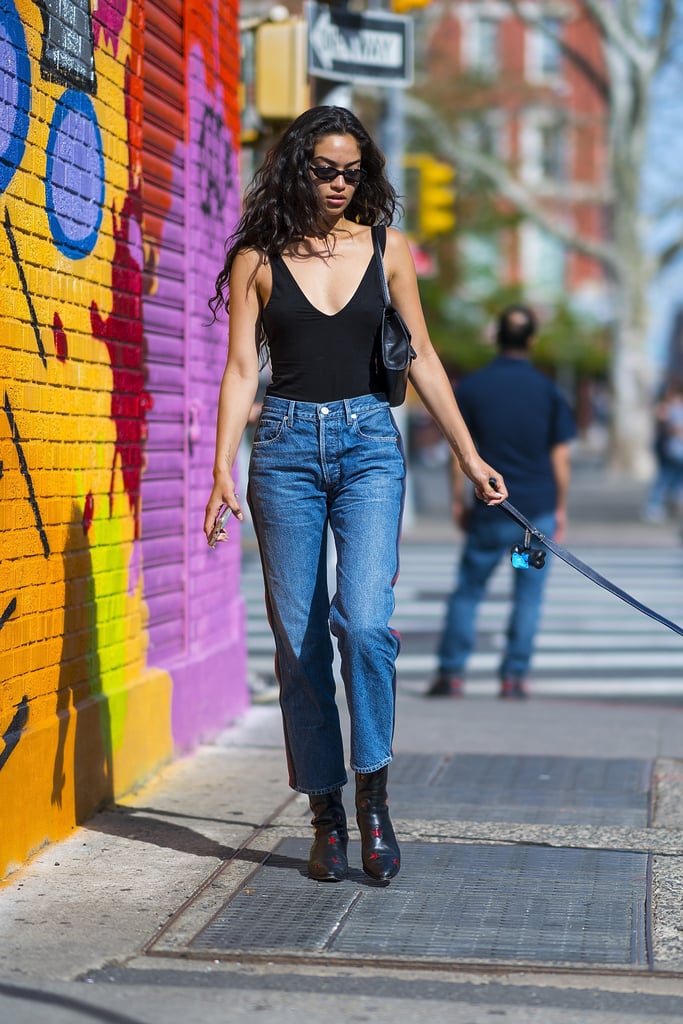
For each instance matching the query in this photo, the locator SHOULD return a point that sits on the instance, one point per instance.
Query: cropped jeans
(342, 465)
(489, 538)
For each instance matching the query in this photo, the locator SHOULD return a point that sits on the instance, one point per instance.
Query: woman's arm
(239, 384)
(428, 375)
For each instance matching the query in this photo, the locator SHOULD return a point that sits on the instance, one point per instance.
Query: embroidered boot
(379, 850)
(327, 859)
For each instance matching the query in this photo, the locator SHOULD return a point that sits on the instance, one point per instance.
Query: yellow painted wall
(82, 716)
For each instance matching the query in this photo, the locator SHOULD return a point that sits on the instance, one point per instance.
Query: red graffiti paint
(88, 512)
(123, 334)
(59, 336)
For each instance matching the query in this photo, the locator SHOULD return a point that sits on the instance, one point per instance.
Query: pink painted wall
(196, 625)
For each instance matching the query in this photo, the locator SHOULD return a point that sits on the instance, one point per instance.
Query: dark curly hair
(281, 203)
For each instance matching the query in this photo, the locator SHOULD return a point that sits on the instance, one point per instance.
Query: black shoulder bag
(397, 352)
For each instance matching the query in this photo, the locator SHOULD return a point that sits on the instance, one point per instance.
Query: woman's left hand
(489, 485)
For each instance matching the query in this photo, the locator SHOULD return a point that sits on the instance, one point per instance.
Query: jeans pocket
(268, 430)
(376, 425)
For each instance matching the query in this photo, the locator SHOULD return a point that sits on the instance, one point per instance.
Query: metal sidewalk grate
(524, 789)
(451, 902)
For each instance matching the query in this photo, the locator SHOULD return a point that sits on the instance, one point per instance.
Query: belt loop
(347, 411)
(290, 414)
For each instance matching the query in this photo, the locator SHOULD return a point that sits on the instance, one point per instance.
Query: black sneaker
(445, 686)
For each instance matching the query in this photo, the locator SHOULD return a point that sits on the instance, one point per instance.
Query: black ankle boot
(379, 849)
(327, 859)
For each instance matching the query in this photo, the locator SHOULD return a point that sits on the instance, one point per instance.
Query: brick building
(531, 107)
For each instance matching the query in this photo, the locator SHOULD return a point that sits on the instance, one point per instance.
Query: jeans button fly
(324, 410)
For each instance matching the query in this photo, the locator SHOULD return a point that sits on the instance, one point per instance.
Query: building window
(551, 151)
(482, 44)
(481, 267)
(544, 261)
(487, 133)
(543, 148)
(543, 50)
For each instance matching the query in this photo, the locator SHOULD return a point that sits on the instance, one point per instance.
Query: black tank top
(316, 357)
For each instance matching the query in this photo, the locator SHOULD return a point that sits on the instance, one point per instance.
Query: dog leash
(585, 570)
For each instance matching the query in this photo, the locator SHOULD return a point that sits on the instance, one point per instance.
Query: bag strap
(380, 262)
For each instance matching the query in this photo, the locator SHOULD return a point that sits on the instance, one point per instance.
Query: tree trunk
(631, 381)
(631, 370)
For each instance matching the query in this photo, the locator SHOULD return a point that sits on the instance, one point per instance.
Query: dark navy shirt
(516, 416)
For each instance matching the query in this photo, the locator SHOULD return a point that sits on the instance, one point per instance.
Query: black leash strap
(586, 570)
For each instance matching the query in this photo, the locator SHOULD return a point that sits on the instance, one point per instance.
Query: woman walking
(300, 281)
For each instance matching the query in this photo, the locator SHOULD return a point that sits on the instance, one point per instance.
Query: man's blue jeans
(490, 537)
(340, 464)
(667, 487)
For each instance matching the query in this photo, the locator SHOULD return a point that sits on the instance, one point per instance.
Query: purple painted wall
(196, 613)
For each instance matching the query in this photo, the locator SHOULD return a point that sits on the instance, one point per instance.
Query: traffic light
(435, 195)
(281, 87)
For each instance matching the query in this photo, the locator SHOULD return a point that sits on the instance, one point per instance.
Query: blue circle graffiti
(74, 178)
(15, 91)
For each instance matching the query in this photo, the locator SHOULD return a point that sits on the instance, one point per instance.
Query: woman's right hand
(223, 493)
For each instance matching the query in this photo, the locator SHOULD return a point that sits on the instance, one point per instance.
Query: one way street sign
(369, 47)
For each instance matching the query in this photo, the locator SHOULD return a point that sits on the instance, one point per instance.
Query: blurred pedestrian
(300, 277)
(666, 493)
(522, 423)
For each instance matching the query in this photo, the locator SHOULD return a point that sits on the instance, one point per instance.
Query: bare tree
(637, 42)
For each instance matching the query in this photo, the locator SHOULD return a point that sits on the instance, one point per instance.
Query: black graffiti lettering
(13, 732)
(24, 286)
(23, 466)
(215, 167)
(8, 612)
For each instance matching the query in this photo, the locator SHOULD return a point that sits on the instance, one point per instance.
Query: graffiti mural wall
(121, 633)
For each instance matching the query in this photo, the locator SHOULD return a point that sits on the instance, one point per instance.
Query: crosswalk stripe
(588, 645)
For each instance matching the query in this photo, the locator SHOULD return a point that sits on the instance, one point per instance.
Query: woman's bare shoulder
(397, 241)
(250, 259)
(397, 254)
(251, 274)
(251, 265)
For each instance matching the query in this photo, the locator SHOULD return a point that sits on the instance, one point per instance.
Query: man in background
(522, 424)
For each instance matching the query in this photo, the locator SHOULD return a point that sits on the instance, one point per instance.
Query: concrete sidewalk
(102, 925)
(543, 864)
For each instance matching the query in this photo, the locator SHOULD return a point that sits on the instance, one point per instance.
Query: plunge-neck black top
(320, 357)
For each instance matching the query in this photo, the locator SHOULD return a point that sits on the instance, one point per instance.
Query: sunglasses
(326, 173)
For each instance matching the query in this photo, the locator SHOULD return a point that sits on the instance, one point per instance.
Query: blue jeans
(490, 537)
(667, 487)
(341, 465)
